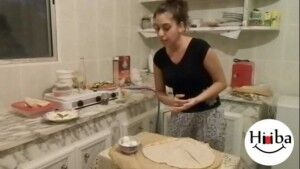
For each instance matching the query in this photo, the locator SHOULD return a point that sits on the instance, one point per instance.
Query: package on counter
(122, 70)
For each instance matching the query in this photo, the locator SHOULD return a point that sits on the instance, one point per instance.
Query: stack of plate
(231, 19)
(64, 84)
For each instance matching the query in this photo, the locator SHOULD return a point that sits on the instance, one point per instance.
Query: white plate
(61, 116)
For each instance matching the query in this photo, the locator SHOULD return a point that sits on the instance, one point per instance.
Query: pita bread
(180, 153)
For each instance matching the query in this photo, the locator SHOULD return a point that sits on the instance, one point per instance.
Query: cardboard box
(121, 70)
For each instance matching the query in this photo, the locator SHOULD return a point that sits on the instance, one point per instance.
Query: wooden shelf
(148, 33)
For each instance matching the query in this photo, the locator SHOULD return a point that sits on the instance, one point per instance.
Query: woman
(192, 69)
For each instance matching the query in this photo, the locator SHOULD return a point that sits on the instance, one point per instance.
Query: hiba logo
(269, 142)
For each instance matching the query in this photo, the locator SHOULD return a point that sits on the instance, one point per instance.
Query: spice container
(146, 22)
(116, 70)
(267, 19)
(255, 18)
(275, 19)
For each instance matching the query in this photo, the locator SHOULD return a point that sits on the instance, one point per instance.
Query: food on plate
(103, 86)
(35, 102)
(262, 90)
(61, 116)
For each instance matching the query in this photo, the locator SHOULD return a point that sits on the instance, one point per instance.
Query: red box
(242, 74)
(121, 70)
(22, 107)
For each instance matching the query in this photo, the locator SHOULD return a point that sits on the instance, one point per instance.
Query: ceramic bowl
(128, 144)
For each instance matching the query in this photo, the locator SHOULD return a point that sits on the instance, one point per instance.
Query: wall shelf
(227, 31)
(150, 33)
(145, 1)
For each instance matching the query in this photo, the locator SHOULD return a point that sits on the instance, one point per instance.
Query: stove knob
(98, 99)
(80, 103)
(113, 95)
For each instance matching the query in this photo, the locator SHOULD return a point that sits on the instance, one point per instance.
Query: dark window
(27, 29)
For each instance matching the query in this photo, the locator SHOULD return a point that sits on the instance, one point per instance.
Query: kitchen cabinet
(80, 155)
(62, 164)
(247, 6)
(88, 149)
(233, 133)
(64, 159)
(248, 115)
(37, 144)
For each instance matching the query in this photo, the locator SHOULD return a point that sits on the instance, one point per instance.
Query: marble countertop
(225, 95)
(17, 130)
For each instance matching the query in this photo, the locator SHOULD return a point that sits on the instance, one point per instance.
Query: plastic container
(24, 109)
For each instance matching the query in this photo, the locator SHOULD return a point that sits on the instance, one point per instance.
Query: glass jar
(80, 76)
(267, 19)
(146, 22)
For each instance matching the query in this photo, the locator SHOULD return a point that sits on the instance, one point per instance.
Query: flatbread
(180, 153)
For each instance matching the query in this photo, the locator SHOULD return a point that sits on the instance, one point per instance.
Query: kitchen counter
(17, 130)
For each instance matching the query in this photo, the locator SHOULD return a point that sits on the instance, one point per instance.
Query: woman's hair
(178, 8)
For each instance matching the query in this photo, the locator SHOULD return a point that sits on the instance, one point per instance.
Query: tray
(21, 107)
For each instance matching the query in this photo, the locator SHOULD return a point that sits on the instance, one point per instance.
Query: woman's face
(167, 29)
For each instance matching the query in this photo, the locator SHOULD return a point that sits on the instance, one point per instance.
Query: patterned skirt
(206, 126)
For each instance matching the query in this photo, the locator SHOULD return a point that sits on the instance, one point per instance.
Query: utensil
(135, 87)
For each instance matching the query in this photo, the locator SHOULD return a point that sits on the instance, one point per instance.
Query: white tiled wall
(95, 29)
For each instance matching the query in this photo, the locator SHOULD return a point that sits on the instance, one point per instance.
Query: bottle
(150, 61)
(267, 19)
(116, 70)
(81, 75)
(275, 19)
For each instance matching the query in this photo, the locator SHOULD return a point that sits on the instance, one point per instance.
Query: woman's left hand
(191, 102)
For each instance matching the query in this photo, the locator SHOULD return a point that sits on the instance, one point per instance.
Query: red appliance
(242, 73)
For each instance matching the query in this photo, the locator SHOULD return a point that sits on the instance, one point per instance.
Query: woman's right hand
(177, 101)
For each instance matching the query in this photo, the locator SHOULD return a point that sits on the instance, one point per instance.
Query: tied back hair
(178, 8)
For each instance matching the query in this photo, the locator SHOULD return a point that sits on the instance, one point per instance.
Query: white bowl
(62, 84)
(60, 73)
(65, 76)
(65, 81)
(128, 144)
